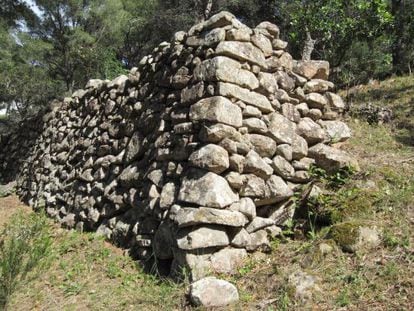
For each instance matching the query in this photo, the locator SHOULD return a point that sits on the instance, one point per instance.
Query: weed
(24, 246)
(333, 180)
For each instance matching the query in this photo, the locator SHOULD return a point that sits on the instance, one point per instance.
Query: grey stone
(281, 212)
(244, 51)
(277, 190)
(253, 186)
(228, 260)
(191, 94)
(285, 151)
(284, 81)
(241, 238)
(282, 167)
(210, 157)
(259, 241)
(259, 223)
(311, 131)
(267, 83)
(217, 109)
(211, 292)
(167, 196)
(135, 147)
(290, 112)
(190, 216)
(303, 284)
(299, 147)
(251, 111)
(337, 131)
(255, 125)
(303, 109)
(237, 163)
(207, 189)
(263, 145)
(316, 100)
(315, 114)
(220, 19)
(270, 28)
(331, 159)
(225, 69)
(217, 132)
(252, 98)
(300, 177)
(303, 164)
(318, 86)
(356, 237)
(238, 35)
(207, 39)
(235, 180)
(245, 206)
(202, 237)
(279, 44)
(312, 69)
(335, 102)
(281, 129)
(256, 165)
(263, 43)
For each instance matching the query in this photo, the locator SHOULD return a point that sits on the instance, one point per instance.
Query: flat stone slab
(244, 51)
(203, 237)
(190, 216)
(252, 98)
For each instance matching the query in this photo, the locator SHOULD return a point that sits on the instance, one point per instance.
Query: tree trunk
(397, 45)
(308, 47)
(204, 8)
(207, 8)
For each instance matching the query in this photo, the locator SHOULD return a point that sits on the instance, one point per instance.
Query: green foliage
(24, 248)
(333, 180)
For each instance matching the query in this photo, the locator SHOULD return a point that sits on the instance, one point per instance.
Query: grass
(87, 273)
(24, 250)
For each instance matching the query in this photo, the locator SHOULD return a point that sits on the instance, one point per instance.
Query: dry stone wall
(190, 160)
(15, 145)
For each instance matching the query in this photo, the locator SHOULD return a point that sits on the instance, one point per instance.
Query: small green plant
(333, 180)
(24, 247)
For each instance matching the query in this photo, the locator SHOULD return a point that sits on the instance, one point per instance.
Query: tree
(25, 86)
(402, 33)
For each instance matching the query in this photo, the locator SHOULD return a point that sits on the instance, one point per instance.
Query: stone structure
(191, 159)
(15, 145)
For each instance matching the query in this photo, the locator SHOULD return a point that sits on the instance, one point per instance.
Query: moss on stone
(346, 234)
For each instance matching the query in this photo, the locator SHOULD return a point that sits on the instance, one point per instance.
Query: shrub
(24, 249)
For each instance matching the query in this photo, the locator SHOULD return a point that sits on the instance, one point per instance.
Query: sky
(33, 6)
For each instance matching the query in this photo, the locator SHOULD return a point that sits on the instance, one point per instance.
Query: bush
(24, 249)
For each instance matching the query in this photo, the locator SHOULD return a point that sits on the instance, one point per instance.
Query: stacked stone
(192, 158)
(15, 145)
